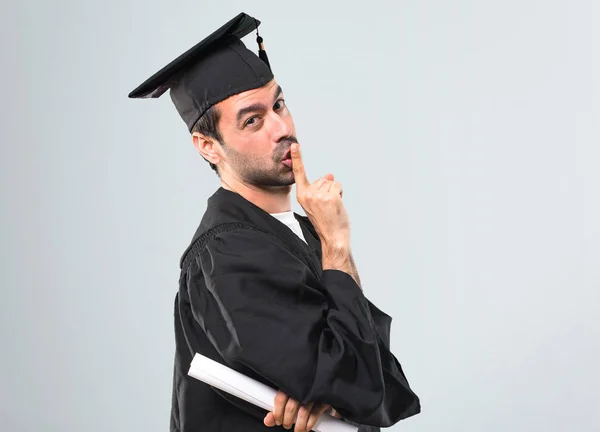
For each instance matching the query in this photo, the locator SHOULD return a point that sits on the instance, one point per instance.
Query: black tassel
(262, 54)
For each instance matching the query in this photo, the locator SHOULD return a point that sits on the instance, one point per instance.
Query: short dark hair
(208, 125)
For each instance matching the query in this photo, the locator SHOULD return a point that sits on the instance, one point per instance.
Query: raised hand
(322, 202)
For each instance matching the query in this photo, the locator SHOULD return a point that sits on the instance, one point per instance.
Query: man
(263, 290)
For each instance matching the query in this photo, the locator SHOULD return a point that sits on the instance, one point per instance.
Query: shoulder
(246, 259)
(231, 241)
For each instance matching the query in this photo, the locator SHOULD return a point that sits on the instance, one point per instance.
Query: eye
(279, 104)
(251, 121)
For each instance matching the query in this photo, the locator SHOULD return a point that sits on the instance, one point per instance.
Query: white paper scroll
(231, 381)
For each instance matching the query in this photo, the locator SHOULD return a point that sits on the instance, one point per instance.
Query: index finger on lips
(298, 167)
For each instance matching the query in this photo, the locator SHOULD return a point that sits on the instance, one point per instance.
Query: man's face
(257, 131)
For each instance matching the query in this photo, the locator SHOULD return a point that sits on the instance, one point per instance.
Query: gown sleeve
(316, 339)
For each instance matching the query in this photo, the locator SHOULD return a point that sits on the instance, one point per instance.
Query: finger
(302, 418)
(319, 183)
(298, 168)
(269, 420)
(335, 414)
(336, 188)
(325, 185)
(316, 413)
(290, 413)
(279, 406)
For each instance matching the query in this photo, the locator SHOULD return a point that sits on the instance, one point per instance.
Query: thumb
(269, 420)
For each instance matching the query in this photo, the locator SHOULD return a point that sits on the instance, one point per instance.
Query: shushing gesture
(322, 202)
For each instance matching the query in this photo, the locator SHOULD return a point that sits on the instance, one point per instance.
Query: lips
(287, 159)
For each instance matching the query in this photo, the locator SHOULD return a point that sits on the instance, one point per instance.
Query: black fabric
(216, 68)
(253, 296)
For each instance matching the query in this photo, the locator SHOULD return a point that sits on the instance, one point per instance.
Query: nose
(281, 126)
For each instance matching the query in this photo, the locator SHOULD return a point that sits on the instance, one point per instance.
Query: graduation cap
(216, 68)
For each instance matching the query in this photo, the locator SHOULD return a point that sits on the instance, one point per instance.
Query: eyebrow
(277, 93)
(257, 106)
(250, 108)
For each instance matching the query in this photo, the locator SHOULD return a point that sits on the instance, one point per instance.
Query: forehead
(262, 94)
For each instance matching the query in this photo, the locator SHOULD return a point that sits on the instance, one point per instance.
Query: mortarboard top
(216, 68)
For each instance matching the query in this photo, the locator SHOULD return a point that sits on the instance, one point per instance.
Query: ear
(208, 147)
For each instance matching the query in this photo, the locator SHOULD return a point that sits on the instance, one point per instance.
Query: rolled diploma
(231, 381)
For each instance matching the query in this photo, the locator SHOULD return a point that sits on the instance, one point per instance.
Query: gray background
(466, 135)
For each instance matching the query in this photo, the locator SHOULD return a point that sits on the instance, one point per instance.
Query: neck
(272, 199)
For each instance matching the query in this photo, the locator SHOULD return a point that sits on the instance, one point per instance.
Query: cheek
(255, 150)
(261, 145)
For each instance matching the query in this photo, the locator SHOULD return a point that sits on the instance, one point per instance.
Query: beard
(263, 172)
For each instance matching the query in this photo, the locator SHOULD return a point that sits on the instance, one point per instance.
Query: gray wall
(466, 135)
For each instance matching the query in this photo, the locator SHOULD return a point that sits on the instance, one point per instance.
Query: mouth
(287, 159)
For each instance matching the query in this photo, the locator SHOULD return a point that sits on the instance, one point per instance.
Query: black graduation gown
(253, 296)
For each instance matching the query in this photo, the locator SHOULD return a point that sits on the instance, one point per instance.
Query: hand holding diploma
(226, 379)
(288, 411)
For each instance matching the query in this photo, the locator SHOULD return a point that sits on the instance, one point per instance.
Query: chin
(272, 180)
(279, 184)
(273, 183)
